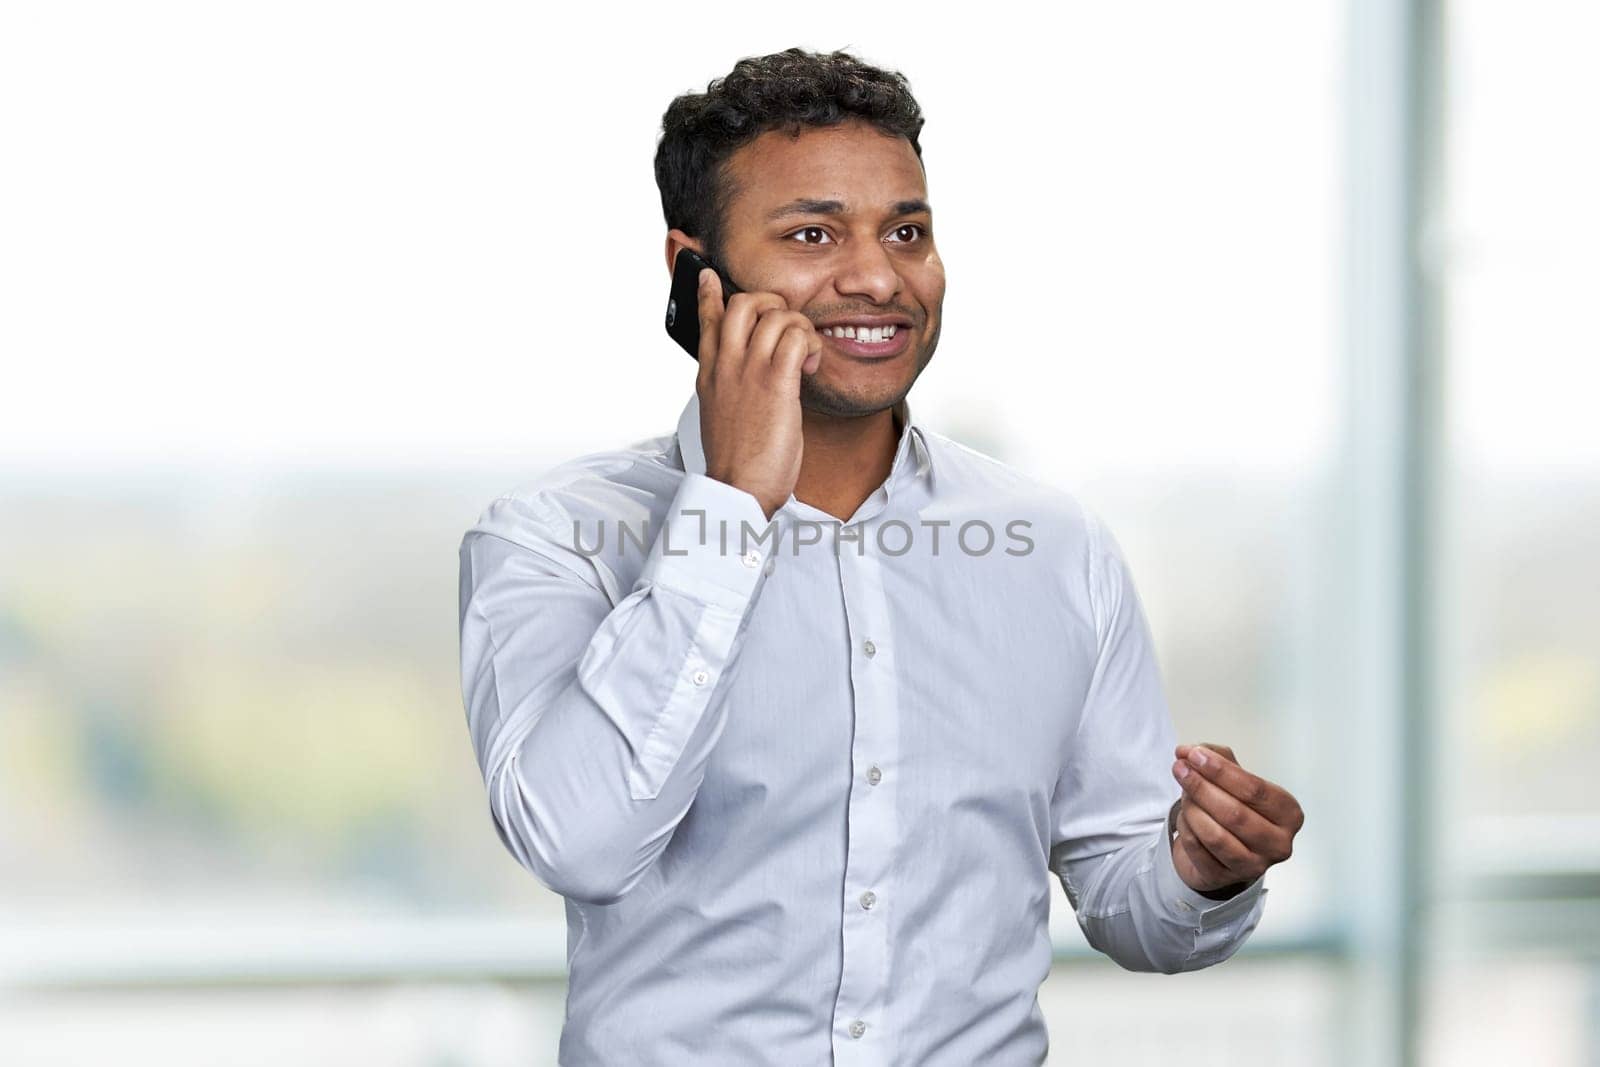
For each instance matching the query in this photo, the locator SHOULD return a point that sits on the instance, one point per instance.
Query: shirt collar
(912, 442)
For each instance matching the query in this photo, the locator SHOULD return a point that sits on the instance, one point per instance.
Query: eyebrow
(835, 207)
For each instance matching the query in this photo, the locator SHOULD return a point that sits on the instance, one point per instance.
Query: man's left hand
(1232, 825)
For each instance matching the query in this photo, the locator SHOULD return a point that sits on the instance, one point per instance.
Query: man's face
(869, 253)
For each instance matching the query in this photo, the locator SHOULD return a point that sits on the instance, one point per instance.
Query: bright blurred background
(289, 292)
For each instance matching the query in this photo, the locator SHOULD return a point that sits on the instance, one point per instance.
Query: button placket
(872, 833)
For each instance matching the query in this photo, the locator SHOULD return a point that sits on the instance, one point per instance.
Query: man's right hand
(752, 353)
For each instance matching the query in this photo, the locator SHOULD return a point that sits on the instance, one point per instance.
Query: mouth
(892, 341)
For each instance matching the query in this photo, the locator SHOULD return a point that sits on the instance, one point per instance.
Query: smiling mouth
(895, 340)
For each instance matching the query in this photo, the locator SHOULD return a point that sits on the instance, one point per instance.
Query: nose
(868, 272)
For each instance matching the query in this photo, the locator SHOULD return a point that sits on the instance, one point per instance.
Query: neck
(845, 459)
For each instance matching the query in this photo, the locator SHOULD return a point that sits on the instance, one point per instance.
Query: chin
(824, 398)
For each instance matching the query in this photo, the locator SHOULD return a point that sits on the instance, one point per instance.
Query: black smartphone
(683, 303)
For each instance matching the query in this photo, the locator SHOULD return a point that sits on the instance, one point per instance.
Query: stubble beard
(817, 397)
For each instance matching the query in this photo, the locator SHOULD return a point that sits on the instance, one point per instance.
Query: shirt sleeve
(1110, 846)
(592, 722)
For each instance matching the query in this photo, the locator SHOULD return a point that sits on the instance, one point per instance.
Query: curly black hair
(785, 90)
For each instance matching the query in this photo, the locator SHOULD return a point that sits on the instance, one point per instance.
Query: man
(801, 706)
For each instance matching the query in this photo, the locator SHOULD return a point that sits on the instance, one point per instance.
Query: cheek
(800, 290)
(929, 287)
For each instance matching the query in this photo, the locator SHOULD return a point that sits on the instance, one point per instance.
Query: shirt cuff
(1186, 904)
(714, 544)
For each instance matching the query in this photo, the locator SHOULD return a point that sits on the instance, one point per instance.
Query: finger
(1243, 823)
(775, 325)
(799, 351)
(709, 295)
(1208, 866)
(1183, 750)
(1260, 794)
(738, 322)
(813, 357)
(1228, 851)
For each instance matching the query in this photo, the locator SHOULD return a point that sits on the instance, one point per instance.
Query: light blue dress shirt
(803, 792)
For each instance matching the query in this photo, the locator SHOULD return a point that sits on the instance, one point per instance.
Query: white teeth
(875, 335)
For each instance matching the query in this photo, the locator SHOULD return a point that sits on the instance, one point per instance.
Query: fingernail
(1183, 770)
(705, 277)
(1198, 756)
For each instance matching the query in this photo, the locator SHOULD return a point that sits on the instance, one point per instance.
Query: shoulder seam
(1092, 572)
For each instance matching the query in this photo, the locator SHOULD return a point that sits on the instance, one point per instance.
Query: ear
(677, 239)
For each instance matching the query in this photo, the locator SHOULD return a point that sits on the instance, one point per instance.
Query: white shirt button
(868, 899)
(1185, 905)
(874, 775)
(701, 677)
(857, 1028)
(869, 648)
(752, 558)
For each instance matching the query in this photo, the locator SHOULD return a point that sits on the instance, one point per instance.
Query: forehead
(854, 162)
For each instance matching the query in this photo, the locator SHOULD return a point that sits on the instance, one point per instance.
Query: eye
(810, 229)
(917, 226)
